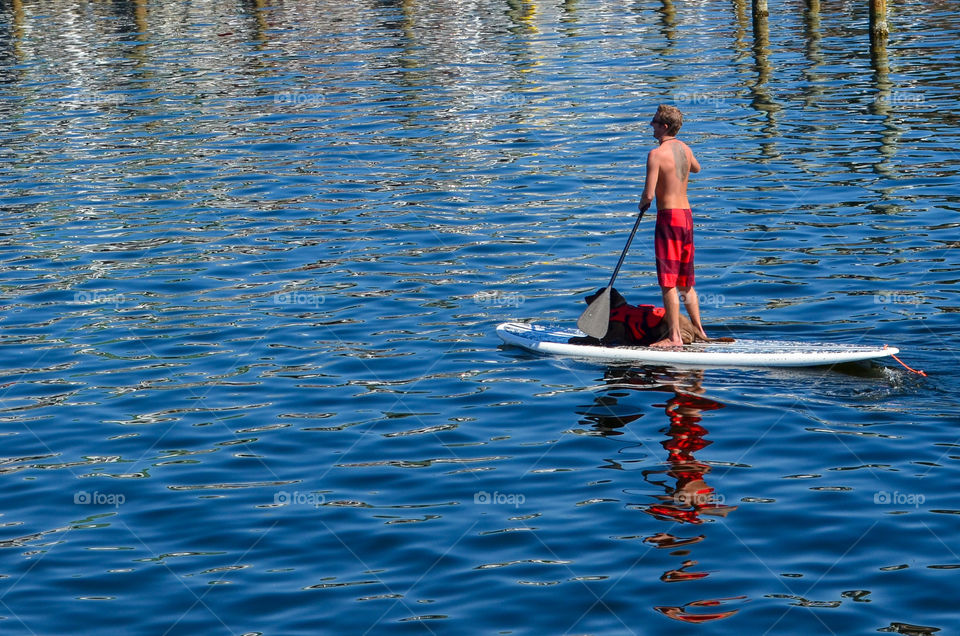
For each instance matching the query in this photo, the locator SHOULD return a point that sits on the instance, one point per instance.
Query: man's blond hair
(671, 116)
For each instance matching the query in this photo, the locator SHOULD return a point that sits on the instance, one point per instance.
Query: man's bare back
(668, 171)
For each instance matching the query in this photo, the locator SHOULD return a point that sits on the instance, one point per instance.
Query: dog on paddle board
(638, 325)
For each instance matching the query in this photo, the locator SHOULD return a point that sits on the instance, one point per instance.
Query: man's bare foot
(666, 342)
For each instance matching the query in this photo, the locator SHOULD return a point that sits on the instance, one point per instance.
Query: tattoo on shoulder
(680, 160)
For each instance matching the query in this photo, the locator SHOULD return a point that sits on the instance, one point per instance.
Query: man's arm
(694, 164)
(650, 188)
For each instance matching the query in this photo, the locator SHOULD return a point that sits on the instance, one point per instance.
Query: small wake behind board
(740, 353)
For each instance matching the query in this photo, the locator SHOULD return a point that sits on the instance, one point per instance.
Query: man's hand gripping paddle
(595, 320)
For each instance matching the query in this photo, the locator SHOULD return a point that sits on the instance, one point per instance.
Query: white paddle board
(748, 353)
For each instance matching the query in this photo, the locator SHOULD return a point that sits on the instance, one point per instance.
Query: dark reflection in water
(687, 496)
(881, 106)
(668, 26)
(814, 56)
(521, 14)
(11, 33)
(690, 496)
(761, 96)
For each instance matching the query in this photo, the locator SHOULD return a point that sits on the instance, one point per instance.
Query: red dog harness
(639, 319)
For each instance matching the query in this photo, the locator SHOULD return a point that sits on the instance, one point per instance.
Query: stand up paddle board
(741, 353)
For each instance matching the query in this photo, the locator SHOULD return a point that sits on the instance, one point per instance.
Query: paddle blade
(595, 319)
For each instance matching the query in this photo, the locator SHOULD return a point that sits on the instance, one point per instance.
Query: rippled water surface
(253, 255)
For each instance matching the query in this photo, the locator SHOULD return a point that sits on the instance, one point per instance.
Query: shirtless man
(668, 169)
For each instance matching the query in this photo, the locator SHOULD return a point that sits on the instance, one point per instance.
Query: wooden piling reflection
(668, 22)
(882, 106)
(17, 30)
(761, 46)
(813, 86)
(762, 101)
(740, 9)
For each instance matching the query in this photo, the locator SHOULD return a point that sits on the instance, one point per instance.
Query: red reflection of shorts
(673, 244)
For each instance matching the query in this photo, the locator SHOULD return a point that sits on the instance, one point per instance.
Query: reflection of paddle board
(741, 353)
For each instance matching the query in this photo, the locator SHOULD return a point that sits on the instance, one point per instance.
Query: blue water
(253, 255)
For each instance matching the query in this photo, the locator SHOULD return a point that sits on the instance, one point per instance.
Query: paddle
(595, 319)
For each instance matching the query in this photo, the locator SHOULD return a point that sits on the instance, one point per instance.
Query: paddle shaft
(595, 319)
(626, 248)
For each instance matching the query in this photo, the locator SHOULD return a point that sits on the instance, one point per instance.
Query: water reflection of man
(690, 497)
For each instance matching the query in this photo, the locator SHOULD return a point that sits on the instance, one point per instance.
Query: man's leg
(671, 306)
(692, 304)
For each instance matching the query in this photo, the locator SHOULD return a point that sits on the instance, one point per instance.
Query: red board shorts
(673, 245)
